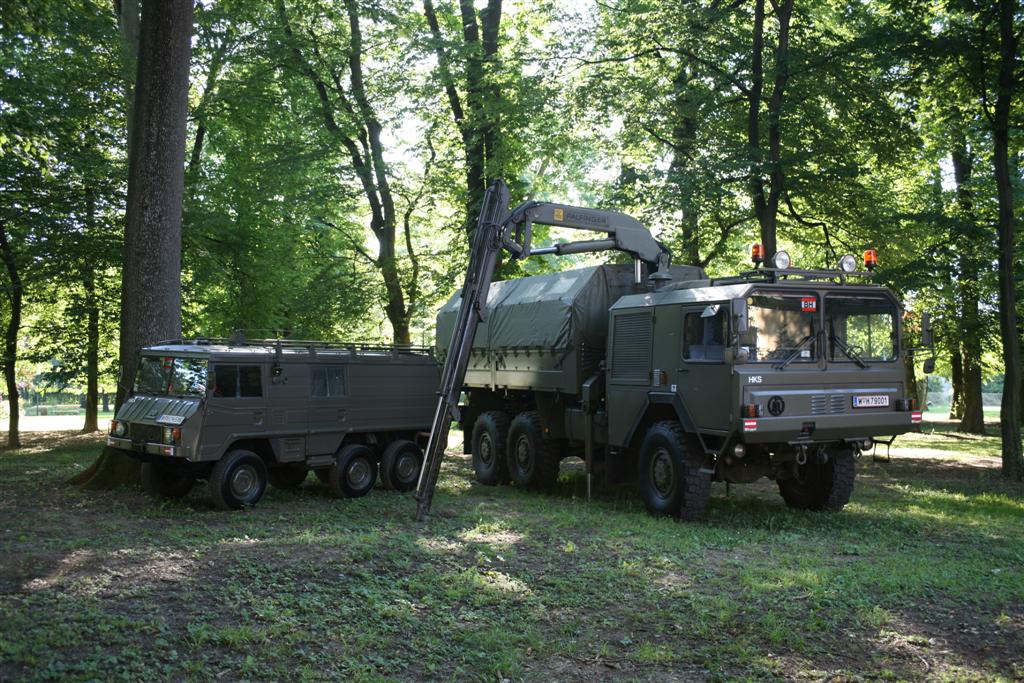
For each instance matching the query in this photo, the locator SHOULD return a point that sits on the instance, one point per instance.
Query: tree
(151, 268)
(999, 120)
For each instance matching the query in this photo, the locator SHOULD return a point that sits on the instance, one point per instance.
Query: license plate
(870, 401)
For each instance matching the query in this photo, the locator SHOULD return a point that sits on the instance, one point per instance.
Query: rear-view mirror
(738, 308)
(926, 331)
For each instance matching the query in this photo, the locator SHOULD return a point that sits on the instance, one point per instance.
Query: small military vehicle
(240, 414)
(674, 380)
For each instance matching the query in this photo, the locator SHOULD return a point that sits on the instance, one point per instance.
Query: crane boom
(500, 228)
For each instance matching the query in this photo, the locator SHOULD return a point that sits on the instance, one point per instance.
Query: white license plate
(870, 401)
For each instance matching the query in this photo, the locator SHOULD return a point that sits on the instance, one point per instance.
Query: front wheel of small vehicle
(354, 473)
(821, 486)
(287, 477)
(238, 480)
(165, 482)
(532, 459)
(672, 481)
(490, 432)
(400, 466)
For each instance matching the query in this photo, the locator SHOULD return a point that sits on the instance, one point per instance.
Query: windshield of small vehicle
(169, 376)
(782, 326)
(861, 327)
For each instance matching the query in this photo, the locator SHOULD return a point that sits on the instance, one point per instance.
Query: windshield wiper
(847, 351)
(796, 351)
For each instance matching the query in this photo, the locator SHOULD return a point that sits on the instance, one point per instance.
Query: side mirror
(926, 331)
(738, 308)
(929, 366)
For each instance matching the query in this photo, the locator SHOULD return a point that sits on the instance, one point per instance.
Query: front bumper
(143, 449)
(817, 428)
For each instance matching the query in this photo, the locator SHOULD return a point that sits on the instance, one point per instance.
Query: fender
(662, 398)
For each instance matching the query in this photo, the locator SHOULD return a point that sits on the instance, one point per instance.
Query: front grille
(148, 433)
(828, 404)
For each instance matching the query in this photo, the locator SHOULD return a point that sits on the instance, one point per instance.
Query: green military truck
(241, 414)
(659, 375)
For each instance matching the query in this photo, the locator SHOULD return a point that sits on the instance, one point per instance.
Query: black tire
(165, 482)
(287, 477)
(822, 486)
(490, 432)
(400, 466)
(672, 480)
(354, 473)
(532, 459)
(323, 475)
(238, 480)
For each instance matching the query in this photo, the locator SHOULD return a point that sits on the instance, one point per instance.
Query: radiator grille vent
(631, 352)
(828, 404)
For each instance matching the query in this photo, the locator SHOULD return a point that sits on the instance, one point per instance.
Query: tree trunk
(92, 354)
(11, 338)
(1013, 457)
(151, 272)
(956, 405)
(969, 321)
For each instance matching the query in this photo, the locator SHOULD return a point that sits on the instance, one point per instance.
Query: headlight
(848, 263)
(172, 435)
(118, 428)
(781, 260)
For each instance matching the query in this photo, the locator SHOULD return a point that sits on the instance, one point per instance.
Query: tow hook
(822, 455)
(801, 455)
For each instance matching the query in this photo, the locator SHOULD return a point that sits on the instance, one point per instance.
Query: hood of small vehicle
(158, 410)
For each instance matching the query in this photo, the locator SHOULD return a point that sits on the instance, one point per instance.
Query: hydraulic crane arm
(499, 228)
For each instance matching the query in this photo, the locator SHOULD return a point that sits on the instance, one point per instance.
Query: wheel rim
(485, 449)
(524, 454)
(662, 473)
(244, 482)
(358, 473)
(406, 467)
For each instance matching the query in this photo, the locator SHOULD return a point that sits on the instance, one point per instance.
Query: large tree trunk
(1013, 457)
(151, 272)
(11, 338)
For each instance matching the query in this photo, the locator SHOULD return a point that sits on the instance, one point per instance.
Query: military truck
(240, 414)
(660, 375)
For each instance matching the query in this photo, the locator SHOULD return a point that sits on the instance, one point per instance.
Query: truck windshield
(860, 328)
(782, 327)
(169, 376)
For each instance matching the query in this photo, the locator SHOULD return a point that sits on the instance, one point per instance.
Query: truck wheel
(670, 476)
(821, 486)
(490, 432)
(164, 482)
(287, 477)
(238, 480)
(354, 472)
(400, 465)
(532, 460)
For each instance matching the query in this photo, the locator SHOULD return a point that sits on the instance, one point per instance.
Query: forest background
(337, 151)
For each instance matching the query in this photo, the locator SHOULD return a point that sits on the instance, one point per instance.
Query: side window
(249, 384)
(225, 381)
(328, 381)
(704, 334)
(319, 383)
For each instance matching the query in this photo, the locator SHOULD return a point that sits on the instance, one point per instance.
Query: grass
(921, 577)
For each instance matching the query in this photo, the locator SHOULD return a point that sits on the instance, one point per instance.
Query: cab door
(705, 376)
(235, 407)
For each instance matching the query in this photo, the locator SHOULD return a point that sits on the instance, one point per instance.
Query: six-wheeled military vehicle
(241, 414)
(658, 374)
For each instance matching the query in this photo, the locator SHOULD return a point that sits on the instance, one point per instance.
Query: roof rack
(776, 274)
(308, 345)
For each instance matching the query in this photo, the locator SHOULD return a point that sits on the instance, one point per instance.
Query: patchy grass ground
(922, 577)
